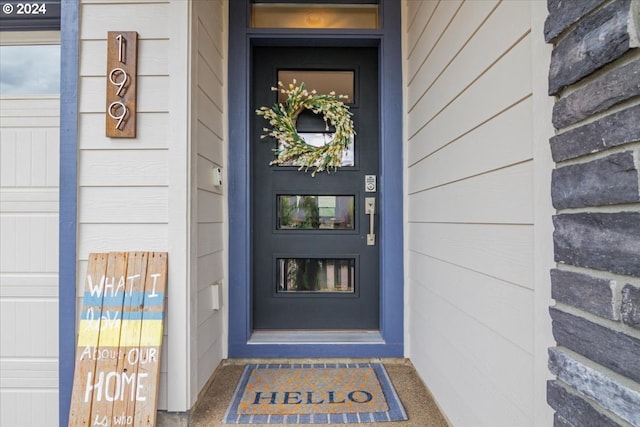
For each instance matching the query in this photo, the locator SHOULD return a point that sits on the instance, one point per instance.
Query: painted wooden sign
(120, 335)
(122, 58)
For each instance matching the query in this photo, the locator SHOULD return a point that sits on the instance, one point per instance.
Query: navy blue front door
(313, 266)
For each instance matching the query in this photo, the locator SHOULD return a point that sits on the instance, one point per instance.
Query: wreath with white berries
(293, 149)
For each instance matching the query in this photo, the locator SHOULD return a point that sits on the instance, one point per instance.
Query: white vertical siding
(470, 210)
(208, 200)
(124, 184)
(29, 153)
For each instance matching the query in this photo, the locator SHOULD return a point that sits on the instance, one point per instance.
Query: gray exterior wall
(595, 75)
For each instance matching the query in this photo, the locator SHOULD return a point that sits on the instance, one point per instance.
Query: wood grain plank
(81, 401)
(121, 84)
(106, 382)
(151, 337)
(130, 334)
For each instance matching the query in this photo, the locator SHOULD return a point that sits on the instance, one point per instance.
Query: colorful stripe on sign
(124, 333)
(134, 299)
(114, 315)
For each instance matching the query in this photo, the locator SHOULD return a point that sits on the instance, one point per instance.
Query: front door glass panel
(316, 275)
(312, 127)
(322, 81)
(308, 212)
(318, 139)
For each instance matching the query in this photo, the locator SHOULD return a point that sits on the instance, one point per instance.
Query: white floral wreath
(293, 149)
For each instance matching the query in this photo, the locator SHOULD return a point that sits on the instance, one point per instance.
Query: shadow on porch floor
(415, 397)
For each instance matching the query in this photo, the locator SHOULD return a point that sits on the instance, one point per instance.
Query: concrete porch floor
(416, 398)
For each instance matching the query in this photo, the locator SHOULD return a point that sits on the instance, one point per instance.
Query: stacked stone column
(595, 76)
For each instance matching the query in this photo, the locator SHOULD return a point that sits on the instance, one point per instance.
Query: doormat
(326, 393)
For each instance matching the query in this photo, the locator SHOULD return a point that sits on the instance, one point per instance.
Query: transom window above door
(355, 14)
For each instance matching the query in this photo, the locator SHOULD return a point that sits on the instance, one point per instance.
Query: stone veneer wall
(595, 75)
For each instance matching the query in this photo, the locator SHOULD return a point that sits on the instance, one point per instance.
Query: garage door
(29, 159)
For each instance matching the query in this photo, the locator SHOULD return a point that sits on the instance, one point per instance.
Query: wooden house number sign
(122, 51)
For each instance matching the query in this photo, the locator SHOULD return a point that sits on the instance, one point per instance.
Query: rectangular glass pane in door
(316, 275)
(322, 81)
(318, 139)
(308, 212)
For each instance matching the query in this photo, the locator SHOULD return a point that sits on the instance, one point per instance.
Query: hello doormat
(314, 394)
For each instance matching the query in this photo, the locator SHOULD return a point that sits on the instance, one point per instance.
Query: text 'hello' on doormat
(326, 393)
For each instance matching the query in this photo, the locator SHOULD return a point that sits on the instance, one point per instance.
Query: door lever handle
(370, 209)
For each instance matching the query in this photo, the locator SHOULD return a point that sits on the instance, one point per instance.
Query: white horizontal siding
(208, 122)
(500, 196)
(29, 157)
(498, 305)
(499, 251)
(124, 184)
(501, 87)
(469, 364)
(470, 207)
(112, 205)
(151, 19)
(152, 58)
(121, 237)
(212, 149)
(152, 94)
(152, 132)
(497, 136)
